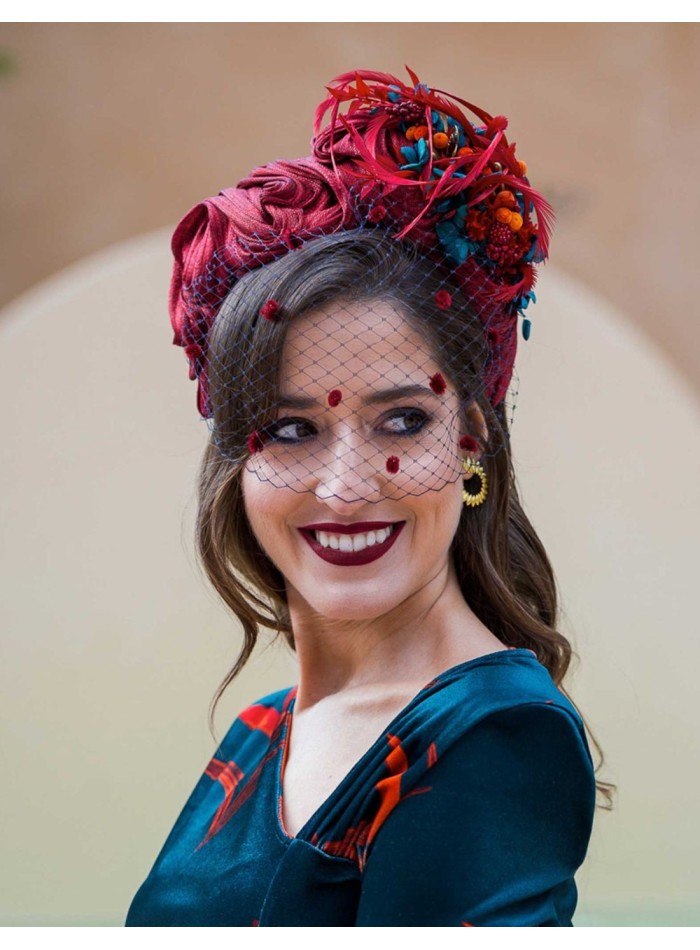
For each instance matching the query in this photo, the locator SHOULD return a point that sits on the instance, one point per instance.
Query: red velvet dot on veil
(334, 397)
(469, 443)
(438, 384)
(270, 310)
(256, 442)
(443, 299)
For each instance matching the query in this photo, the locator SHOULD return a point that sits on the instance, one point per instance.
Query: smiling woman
(358, 497)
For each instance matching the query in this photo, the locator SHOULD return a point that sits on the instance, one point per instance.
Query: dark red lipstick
(351, 558)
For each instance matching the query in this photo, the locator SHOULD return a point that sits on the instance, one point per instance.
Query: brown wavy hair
(502, 567)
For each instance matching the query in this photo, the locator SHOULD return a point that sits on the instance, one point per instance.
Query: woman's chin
(356, 605)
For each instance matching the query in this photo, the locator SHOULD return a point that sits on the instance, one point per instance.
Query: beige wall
(111, 130)
(112, 646)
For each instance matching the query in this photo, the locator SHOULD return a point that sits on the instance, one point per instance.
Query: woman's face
(350, 451)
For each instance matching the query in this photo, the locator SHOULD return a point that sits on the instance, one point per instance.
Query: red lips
(351, 558)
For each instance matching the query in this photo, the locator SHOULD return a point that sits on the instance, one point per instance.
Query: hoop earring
(471, 467)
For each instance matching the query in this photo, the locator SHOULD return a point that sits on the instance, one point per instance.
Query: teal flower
(453, 239)
(416, 156)
(438, 124)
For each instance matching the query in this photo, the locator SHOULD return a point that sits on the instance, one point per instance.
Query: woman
(351, 318)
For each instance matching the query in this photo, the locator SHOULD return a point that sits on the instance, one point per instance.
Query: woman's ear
(477, 423)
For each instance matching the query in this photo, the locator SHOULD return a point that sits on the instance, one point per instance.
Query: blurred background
(112, 642)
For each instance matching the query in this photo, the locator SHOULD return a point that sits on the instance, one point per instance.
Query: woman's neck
(427, 633)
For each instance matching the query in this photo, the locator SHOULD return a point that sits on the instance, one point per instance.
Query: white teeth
(352, 542)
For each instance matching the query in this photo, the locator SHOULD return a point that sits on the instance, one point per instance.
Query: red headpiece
(403, 157)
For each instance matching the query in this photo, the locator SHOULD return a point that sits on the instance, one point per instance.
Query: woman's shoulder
(506, 678)
(510, 685)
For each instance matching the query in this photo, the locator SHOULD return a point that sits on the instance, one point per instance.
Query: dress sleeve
(493, 832)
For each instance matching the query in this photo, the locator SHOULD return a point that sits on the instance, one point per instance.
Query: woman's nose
(350, 471)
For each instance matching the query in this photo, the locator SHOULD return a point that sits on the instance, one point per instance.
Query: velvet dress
(473, 808)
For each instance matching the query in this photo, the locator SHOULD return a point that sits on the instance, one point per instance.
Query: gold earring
(471, 467)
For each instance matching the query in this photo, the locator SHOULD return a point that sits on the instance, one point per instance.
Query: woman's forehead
(359, 344)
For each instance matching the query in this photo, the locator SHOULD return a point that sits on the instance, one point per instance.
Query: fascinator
(410, 196)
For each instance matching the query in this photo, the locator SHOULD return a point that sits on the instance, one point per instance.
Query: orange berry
(516, 221)
(411, 133)
(440, 140)
(465, 150)
(523, 168)
(420, 132)
(503, 215)
(505, 199)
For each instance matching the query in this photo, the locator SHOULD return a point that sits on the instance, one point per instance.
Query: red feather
(414, 79)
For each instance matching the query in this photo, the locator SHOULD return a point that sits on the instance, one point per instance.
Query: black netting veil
(348, 364)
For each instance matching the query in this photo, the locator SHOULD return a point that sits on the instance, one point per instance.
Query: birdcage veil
(352, 309)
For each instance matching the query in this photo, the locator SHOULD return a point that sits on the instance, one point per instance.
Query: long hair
(502, 567)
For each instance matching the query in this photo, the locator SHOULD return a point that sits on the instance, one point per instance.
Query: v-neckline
(281, 760)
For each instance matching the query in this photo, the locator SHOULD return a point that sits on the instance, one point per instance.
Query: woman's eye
(289, 430)
(399, 422)
(407, 421)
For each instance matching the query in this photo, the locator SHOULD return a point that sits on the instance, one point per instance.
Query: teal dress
(473, 808)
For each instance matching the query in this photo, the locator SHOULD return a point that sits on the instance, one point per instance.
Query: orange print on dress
(356, 840)
(264, 718)
(389, 788)
(353, 844)
(432, 755)
(230, 775)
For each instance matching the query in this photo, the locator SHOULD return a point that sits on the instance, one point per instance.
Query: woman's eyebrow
(374, 397)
